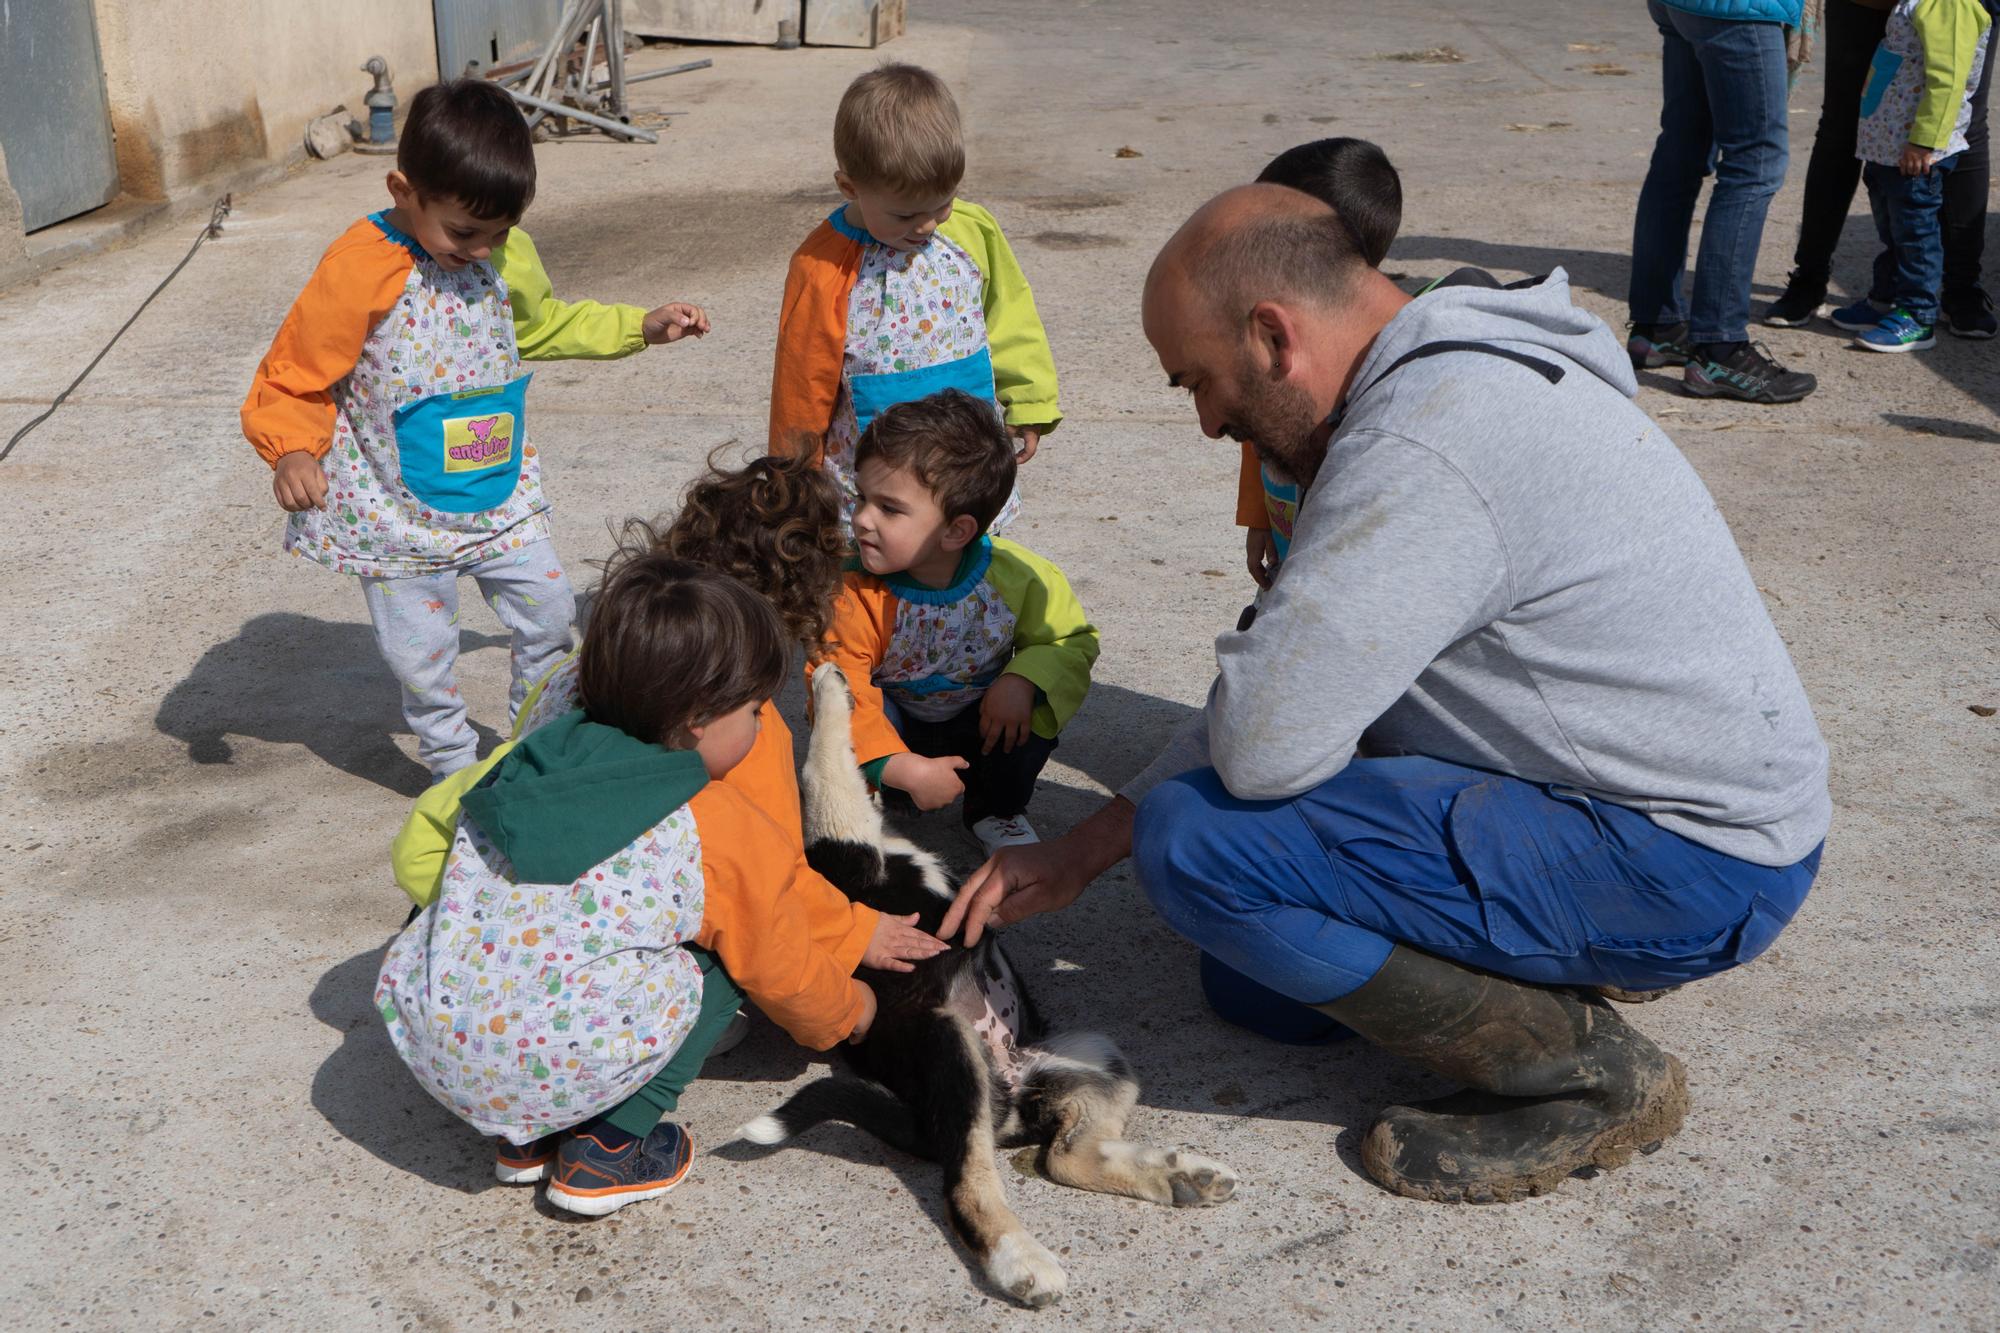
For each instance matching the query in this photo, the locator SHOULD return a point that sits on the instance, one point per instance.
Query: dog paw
(1023, 1268)
(1198, 1181)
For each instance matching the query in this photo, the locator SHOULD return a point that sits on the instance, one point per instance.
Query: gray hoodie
(1520, 576)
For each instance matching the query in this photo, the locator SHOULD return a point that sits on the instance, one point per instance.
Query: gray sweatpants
(416, 626)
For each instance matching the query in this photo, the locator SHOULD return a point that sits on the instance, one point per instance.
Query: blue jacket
(1748, 11)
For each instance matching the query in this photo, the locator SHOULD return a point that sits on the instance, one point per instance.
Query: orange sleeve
(769, 778)
(752, 919)
(863, 617)
(358, 281)
(812, 341)
(1251, 510)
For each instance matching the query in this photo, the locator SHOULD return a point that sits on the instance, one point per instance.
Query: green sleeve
(872, 770)
(424, 843)
(1951, 31)
(1024, 370)
(1054, 642)
(546, 329)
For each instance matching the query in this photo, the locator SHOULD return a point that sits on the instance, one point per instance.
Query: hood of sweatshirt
(574, 792)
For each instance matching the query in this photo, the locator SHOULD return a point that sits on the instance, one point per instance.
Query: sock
(608, 1134)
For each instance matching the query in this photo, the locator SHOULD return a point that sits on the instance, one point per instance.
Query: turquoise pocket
(875, 394)
(461, 452)
(1881, 73)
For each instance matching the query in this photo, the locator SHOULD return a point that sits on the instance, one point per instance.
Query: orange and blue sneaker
(525, 1163)
(593, 1177)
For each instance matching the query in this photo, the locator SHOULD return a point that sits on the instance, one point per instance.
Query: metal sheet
(491, 32)
(54, 121)
(750, 21)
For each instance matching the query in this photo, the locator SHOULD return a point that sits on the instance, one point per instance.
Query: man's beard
(1279, 420)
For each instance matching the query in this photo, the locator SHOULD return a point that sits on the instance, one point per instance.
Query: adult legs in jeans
(1908, 217)
(1851, 35)
(1723, 105)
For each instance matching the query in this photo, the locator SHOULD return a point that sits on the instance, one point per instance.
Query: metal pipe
(588, 118)
(656, 74)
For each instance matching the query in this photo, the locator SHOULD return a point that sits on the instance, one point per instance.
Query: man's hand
(674, 321)
(1261, 551)
(932, 783)
(1019, 882)
(897, 945)
(1006, 714)
(298, 483)
(867, 1019)
(1916, 160)
(1031, 440)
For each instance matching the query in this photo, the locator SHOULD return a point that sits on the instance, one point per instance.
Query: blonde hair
(897, 129)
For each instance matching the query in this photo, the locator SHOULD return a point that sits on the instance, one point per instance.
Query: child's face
(899, 221)
(898, 525)
(723, 742)
(450, 234)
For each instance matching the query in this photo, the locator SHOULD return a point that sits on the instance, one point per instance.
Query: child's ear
(400, 190)
(959, 533)
(841, 181)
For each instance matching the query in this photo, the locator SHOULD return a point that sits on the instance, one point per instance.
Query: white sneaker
(733, 1035)
(993, 832)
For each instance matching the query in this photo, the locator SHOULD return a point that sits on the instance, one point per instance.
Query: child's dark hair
(956, 446)
(465, 140)
(774, 524)
(1353, 178)
(671, 645)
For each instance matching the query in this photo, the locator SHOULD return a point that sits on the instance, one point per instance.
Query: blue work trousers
(1302, 900)
(1722, 110)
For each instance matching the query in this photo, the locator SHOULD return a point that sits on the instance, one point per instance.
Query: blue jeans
(1723, 110)
(1306, 897)
(1908, 218)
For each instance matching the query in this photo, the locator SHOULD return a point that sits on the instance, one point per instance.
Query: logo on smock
(474, 443)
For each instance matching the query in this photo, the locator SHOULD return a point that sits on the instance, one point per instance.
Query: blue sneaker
(593, 1180)
(1863, 314)
(1898, 332)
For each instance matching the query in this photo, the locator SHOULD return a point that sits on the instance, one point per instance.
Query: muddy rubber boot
(1556, 1082)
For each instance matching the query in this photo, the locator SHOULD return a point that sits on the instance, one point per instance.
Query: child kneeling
(607, 904)
(967, 654)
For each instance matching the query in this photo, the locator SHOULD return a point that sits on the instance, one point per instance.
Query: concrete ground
(203, 759)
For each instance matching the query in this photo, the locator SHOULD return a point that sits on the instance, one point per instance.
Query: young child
(905, 289)
(1915, 111)
(391, 406)
(1354, 178)
(967, 654)
(608, 901)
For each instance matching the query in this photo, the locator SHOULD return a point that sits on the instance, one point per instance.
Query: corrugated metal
(54, 121)
(492, 32)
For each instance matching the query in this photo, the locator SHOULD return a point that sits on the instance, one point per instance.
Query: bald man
(1511, 728)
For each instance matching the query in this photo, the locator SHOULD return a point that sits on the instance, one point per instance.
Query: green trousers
(720, 999)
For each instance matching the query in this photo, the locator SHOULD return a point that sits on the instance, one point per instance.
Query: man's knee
(1174, 843)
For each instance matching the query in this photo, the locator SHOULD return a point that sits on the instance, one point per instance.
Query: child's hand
(1916, 160)
(298, 483)
(674, 321)
(1005, 713)
(1262, 553)
(1031, 440)
(897, 945)
(932, 783)
(867, 1019)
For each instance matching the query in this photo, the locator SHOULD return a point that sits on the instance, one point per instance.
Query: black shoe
(1748, 374)
(1800, 303)
(1970, 315)
(1653, 345)
(1558, 1082)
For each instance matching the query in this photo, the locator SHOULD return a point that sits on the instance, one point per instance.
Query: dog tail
(867, 1106)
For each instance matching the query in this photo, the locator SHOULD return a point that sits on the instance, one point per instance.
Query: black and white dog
(957, 1063)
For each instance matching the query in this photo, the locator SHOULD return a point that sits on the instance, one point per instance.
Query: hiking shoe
(993, 832)
(1897, 331)
(1798, 305)
(526, 1163)
(1654, 345)
(1970, 315)
(1862, 314)
(1749, 375)
(733, 1035)
(593, 1180)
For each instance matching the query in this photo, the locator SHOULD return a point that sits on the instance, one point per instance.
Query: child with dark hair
(1354, 178)
(608, 902)
(391, 406)
(967, 653)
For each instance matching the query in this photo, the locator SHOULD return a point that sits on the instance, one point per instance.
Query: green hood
(574, 792)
